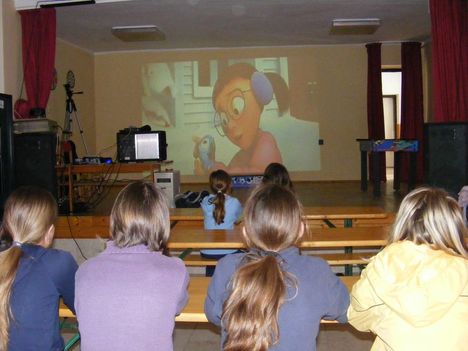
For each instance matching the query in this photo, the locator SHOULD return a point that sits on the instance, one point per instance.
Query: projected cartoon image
(239, 95)
(231, 114)
(158, 99)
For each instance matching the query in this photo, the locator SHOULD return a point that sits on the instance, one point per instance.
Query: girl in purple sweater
(127, 297)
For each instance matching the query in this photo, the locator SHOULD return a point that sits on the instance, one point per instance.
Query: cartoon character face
(238, 113)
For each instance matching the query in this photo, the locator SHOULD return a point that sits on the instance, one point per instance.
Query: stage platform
(311, 194)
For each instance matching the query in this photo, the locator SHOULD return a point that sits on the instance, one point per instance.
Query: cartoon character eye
(238, 105)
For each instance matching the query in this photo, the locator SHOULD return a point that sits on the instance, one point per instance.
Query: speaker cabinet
(35, 160)
(446, 155)
(6, 148)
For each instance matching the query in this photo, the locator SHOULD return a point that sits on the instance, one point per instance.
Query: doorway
(391, 94)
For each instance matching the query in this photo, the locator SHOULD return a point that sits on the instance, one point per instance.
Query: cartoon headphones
(262, 88)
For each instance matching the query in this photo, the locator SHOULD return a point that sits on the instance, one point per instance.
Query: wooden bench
(194, 310)
(353, 222)
(195, 237)
(91, 227)
(333, 259)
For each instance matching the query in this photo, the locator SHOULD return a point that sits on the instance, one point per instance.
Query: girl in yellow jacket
(414, 294)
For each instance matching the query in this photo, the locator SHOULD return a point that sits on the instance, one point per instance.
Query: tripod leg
(81, 132)
(68, 123)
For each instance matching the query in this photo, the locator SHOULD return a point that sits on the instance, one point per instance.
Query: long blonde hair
(140, 216)
(29, 214)
(430, 216)
(273, 222)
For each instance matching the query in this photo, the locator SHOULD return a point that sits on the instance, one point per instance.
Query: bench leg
(185, 253)
(348, 223)
(75, 338)
(72, 341)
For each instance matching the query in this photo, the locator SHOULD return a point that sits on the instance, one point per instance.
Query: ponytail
(220, 184)
(219, 212)
(29, 213)
(9, 261)
(250, 313)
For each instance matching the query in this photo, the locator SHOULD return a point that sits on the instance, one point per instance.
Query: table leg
(363, 170)
(376, 173)
(396, 170)
(412, 170)
(70, 187)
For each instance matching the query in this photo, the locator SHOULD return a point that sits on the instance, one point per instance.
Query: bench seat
(333, 259)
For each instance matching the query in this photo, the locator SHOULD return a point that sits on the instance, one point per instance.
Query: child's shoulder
(175, 263)
(207, 199)
(233, 201)
(312, 264)
(40, 253)
(230, 261)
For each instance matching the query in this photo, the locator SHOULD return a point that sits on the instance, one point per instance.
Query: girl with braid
(220, 210)
(271, 297)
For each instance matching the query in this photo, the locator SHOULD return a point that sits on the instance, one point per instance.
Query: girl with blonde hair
(127, 297)
(414, 294)
(271, 297)
(33, 276)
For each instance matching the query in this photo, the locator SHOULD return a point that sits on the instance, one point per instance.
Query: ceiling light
(147, 32)
(61, 3)
(355, 26)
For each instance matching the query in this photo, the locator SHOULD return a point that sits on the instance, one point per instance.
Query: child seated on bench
(33, 276)
(276, 173)
(128, 296)
(271, 296)
(414, 293)
(220, 211)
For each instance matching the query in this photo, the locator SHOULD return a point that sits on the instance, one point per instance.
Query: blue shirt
(233, 211)
(43, 276)
(320, 295)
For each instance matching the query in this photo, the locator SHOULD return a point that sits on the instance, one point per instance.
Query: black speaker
(35, 160)
(6, 148)
(446, 155)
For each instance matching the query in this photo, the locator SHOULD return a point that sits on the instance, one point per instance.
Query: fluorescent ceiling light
(147, 32)
(356, 22)
(355, 26)
(61, 3)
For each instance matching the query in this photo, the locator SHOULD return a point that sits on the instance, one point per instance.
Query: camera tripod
(70, 114)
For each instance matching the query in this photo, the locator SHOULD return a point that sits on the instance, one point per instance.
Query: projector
(134, 145)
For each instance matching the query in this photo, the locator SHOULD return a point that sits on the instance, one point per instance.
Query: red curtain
(450, 59)
(412, 116)
(39, 34)
(375, 117)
